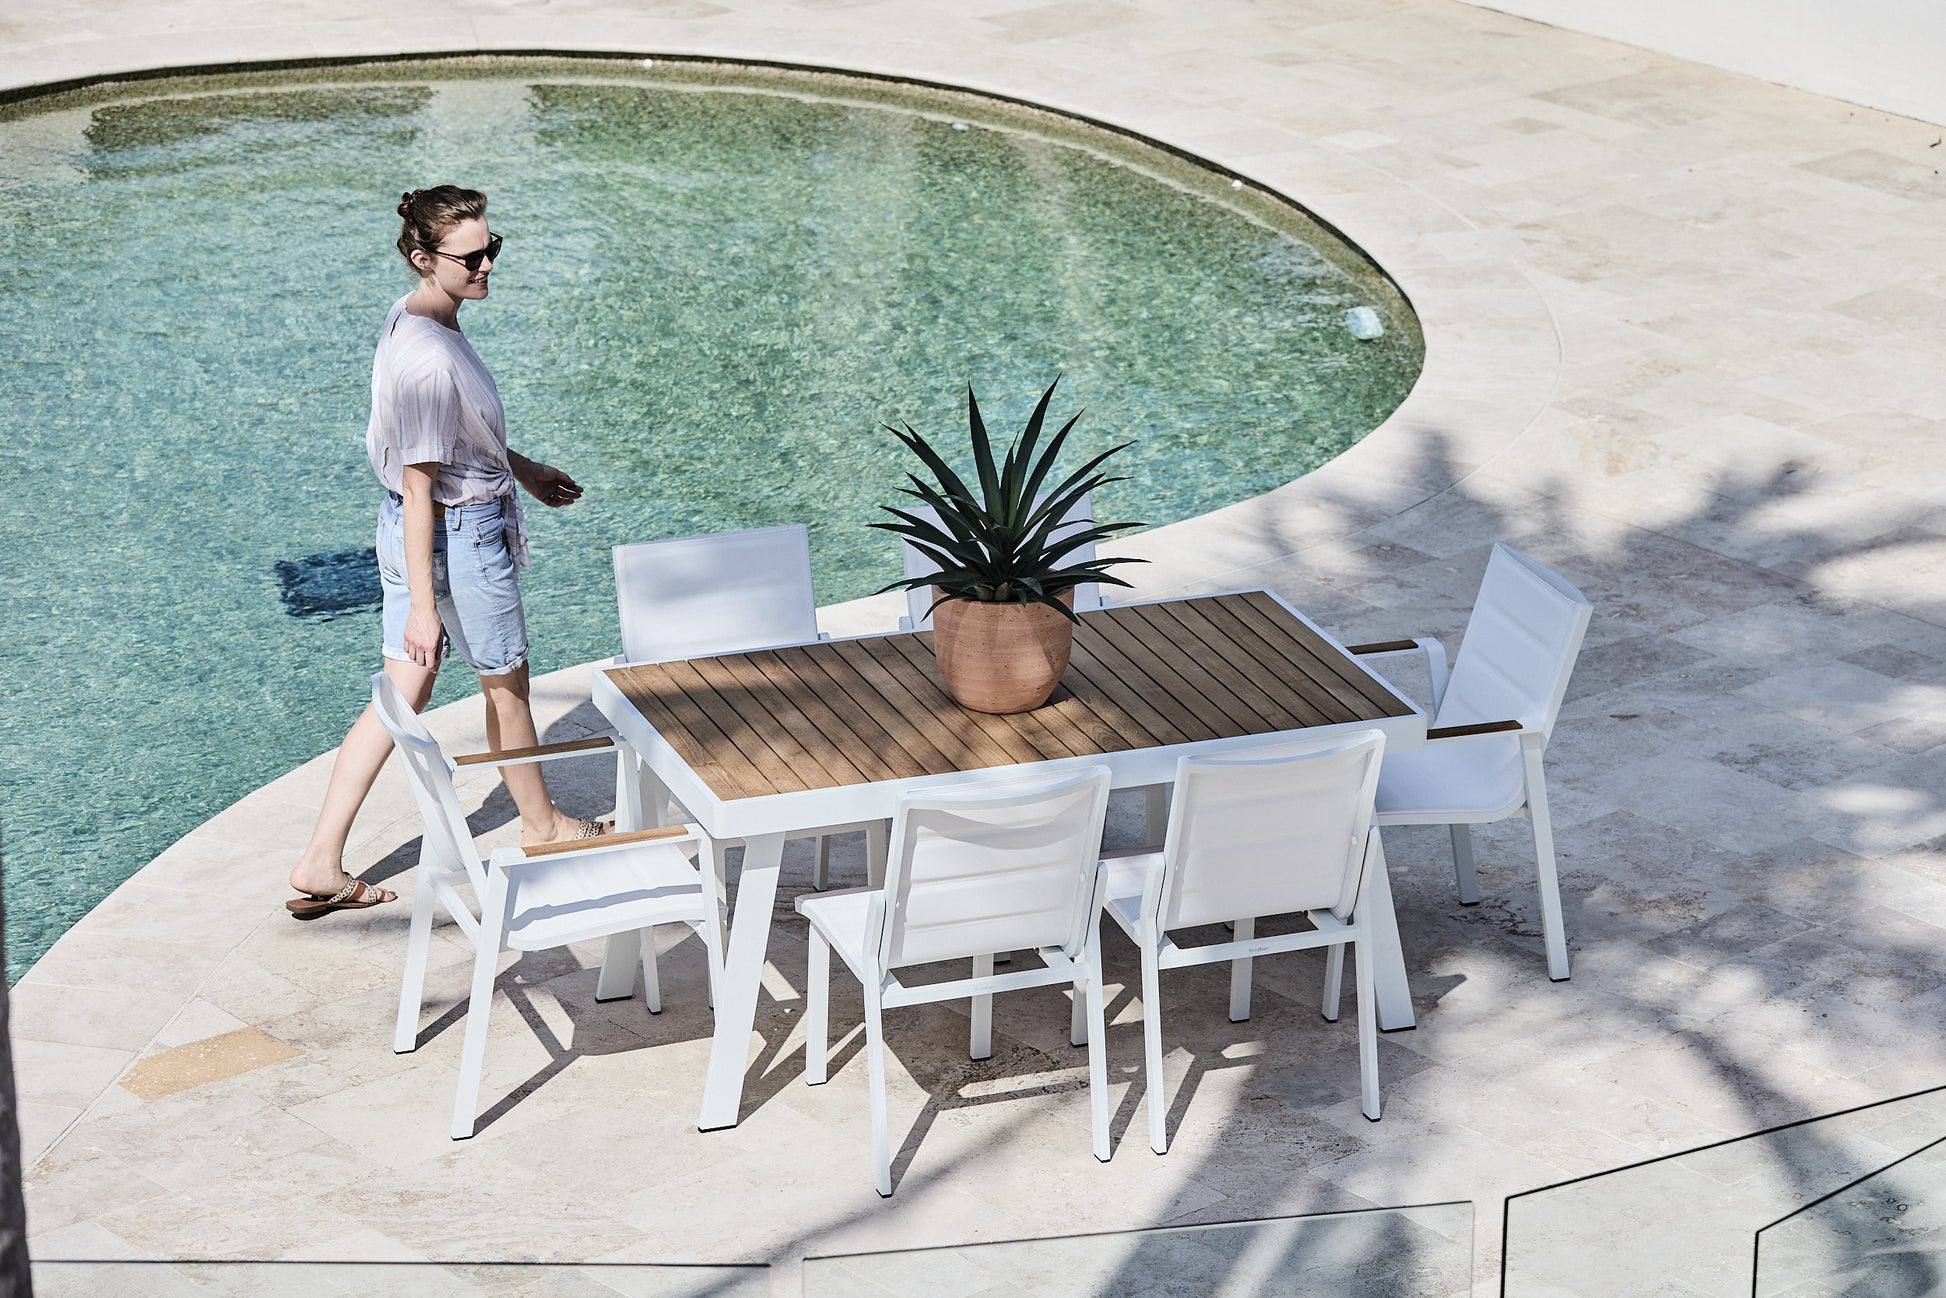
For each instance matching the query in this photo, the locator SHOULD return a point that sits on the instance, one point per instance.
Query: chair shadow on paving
(1291, 1055)
(595, 1028)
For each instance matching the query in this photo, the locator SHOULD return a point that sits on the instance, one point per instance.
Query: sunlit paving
(1144, 649)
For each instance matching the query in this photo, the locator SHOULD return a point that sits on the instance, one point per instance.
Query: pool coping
(1492, 361)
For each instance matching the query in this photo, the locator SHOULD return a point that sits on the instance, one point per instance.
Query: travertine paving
(1684, 331)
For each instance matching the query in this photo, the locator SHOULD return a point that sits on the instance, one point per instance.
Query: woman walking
(450, 536)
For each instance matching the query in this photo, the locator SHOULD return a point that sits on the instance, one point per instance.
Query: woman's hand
(544, 482)
(422, 635)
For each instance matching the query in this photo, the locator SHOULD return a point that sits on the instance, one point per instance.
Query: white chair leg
(821, 868)
(1367, 1029)
(875, 1066)
(472, 1054)
(412, 991)
(1240, 974)
(1152, 1049)
(1334, 981)
(1097, 1052)
(980, 1038)
(817, 1012)
(1552, 927)
(1078, 1034)
(619, 957)
(651, 976)
(1469, 882)
(877, 837)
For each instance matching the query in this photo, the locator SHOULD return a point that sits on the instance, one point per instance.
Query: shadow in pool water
(325, 585)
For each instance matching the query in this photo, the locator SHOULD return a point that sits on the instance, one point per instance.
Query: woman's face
(449, 272)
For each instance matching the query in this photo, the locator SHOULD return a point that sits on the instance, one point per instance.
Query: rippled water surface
(715, 286)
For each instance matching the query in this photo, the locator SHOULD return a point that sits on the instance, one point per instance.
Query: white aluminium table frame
(763, 823)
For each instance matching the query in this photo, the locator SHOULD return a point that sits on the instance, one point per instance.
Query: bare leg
(510, 724)
(320, 871)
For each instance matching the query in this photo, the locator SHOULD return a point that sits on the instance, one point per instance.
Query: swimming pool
(717, 283)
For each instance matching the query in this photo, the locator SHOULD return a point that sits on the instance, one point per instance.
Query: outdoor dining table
(782, 743)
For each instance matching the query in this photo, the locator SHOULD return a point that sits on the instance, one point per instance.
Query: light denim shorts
(473, 585)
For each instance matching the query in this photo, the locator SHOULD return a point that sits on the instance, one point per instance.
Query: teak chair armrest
(539, 753)
(607, 840)
(1382, 647)
(1477, 728)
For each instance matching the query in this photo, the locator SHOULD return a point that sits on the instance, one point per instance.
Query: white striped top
(434, 402)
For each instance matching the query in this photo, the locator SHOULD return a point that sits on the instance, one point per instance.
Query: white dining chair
(1493, 715)
(720, 593)
(974, 870)
(715, 593)
(617, 885)
(1268, 831)
(918, 603)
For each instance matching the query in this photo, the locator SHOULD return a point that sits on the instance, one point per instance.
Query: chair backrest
(720, 592)
(448, 841)
(993, 867)
(1087, 596)
(1268, 831)
(1520, 645)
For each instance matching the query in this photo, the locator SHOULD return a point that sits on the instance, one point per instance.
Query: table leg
(628, 790)
(736, 1002)
(1388, 962)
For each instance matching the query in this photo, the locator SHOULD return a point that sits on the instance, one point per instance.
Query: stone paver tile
(1722, 806)
(1840, 696)
(1728, 934)
(200, 1062)
(1780, 631)
(42, 1126)
(62, 1075)
(76, 1183)
(1890, 809)
(198, 1020)
(86, 1016)
(1731, 1085)
(191, 1138)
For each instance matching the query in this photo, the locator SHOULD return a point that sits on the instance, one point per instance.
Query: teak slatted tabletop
(835, 713)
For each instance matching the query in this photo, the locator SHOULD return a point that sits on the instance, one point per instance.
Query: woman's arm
(422, 624)
(544, 482)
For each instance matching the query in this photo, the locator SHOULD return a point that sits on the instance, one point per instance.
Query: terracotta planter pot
(1001, 657)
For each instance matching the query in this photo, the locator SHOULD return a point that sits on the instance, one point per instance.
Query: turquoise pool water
(716, 284)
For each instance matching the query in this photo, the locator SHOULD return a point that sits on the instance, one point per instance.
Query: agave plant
(1000, 546)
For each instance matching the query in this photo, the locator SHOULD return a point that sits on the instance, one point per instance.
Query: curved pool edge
(1492, 361)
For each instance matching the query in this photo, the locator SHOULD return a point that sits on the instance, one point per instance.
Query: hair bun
(405, 202)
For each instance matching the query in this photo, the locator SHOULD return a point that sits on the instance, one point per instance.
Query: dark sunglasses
(472, 260)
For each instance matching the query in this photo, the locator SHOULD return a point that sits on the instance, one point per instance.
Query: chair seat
(840, 916)
(632, 887)
(1127, 876)
(1473, 778)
